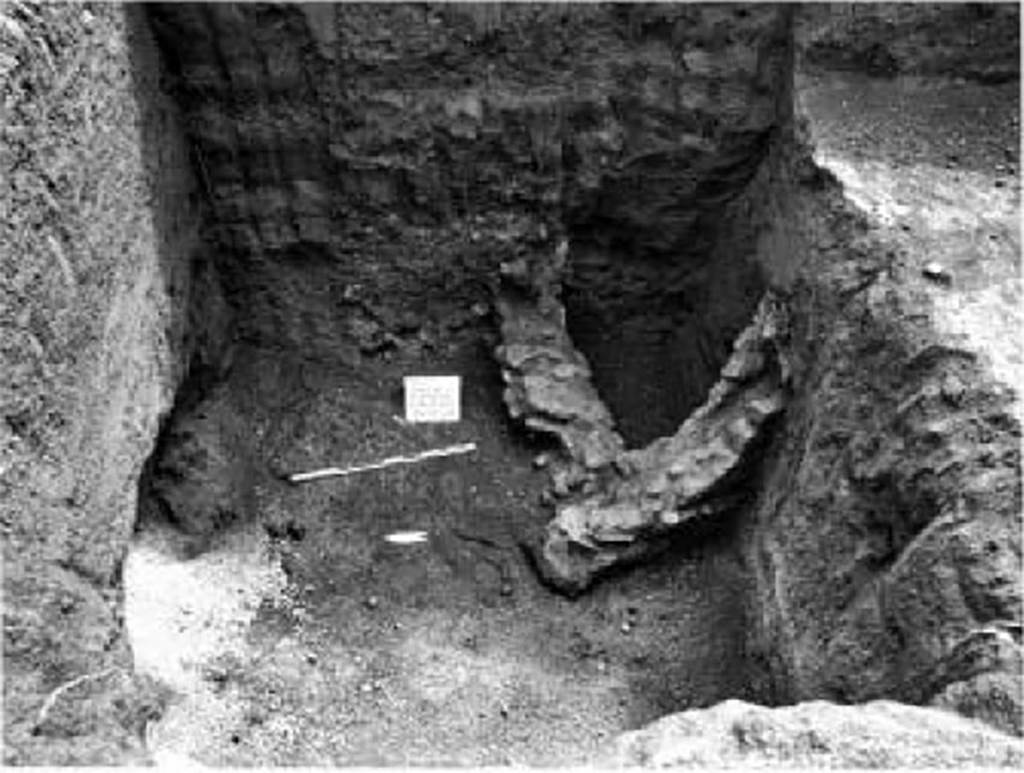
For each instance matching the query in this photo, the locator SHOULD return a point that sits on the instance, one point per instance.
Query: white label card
(433, 398)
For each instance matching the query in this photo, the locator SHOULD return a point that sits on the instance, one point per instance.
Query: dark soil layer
(449, 651)
(383, 162)
(656, 331)
(972, 41)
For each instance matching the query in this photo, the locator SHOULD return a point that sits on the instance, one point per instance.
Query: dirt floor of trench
(306, 638)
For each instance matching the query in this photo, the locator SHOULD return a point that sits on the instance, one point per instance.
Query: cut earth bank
(238, 226)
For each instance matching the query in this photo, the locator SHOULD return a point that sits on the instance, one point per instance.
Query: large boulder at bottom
(815, 734)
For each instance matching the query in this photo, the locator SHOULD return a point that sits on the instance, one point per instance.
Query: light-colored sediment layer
(816, 734)
(183, 617)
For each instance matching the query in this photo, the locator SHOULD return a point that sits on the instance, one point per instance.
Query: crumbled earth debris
(675, 479)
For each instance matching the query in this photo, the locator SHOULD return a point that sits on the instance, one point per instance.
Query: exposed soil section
(449, 651)
(903, 453)
(231, 247)
(370, 182)
(414, 148)
(99, 238)
(655, 312)
(657, 331)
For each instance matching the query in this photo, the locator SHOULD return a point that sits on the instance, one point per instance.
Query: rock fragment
(937, 273)
(675, 479)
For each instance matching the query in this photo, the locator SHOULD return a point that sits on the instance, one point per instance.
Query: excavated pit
(744, 390)
(655, 344)
(655, 308)
(378, 218)
(598, 237)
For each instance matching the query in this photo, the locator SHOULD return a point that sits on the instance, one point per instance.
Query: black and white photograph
(469, 385)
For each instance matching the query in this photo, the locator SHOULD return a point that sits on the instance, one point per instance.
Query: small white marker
(432, 398)
(937, 273)
(406, 537)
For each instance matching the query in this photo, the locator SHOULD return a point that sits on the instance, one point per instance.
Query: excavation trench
(293, 632)
(370, 221)
(315, 640)
(599, 239)
(743, 392)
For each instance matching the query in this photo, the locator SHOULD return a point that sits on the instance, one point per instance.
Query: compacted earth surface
(935, 163)
(360, 651)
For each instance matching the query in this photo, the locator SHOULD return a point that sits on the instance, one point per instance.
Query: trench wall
(367, 171)
(374, 165)
(101, 252)
(885, 539)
